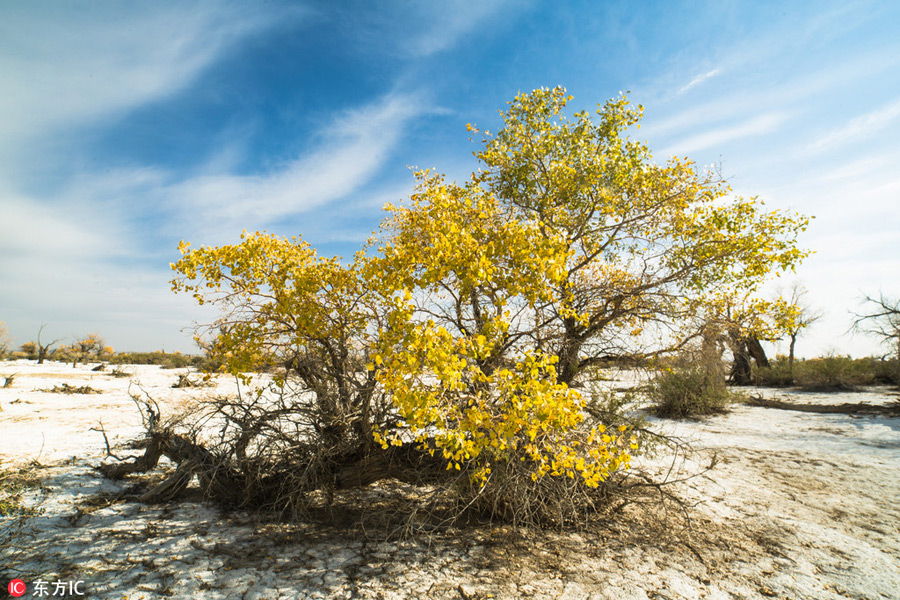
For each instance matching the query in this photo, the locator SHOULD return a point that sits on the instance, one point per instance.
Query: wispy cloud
(858, 127)
(756, 126)
(65, 67)
(354, 147)
(789, 94)
(856, 168)
(142, 205)
(699, 79)
(63, 264)
(72, 245)
(447, 22)
(53, 233)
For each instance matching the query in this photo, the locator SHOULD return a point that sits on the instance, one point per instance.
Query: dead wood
(66, 388)
(268, 454)
(172, 486)
(847, 408)
(190, 458)
(222, 479)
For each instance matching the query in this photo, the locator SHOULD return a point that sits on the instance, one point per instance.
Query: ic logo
(16, 588)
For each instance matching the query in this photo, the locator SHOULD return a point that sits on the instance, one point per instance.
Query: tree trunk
(741, 370)
(757, 352)
(897, 375)
(791, 357)
(568, 366)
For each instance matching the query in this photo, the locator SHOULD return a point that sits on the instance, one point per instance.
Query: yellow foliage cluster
(477, 418)
(462, 236)
(278, 297)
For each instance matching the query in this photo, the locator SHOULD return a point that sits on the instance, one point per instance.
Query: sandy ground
(798, 505)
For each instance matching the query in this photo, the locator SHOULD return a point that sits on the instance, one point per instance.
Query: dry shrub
(15, 513)
(688, 392)
(66, 388)
(185, 381)
(13, 484)
(262, 450)
(118, 371)
(833, 373)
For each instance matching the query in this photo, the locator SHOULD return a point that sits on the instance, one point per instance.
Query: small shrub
(119, 372)
(886, 372)
(16, 513)
(13, 483)
(185, 381)
(777, 374)
(833, 373)
(8, 380)
(688, 392)
(829, 373)
(71, 389)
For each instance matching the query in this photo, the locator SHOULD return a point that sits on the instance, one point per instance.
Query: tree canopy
(460, 333)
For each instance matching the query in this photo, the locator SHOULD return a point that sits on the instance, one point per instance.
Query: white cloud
(414, 29)
(450, 21)
(856, 168)
(745, 95)
(353, 148)
(63, 66)
(700, 79)
(756, 126)
(62, 264)
(51, 232)
(115, 214)
(858, 127)
(84, 256)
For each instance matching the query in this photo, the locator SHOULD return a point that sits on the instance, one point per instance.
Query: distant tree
(799, 316)
(90, 346)
(882, 319)
(38, 349)
(746, 322)
(30, 350)
(4, 339)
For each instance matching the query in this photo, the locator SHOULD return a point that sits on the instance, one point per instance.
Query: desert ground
(797, 505)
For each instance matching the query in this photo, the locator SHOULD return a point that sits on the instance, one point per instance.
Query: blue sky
(126, 127)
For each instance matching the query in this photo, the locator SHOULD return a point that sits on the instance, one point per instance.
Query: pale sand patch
(800, 505)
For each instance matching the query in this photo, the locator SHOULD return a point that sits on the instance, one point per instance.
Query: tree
(90, 346)
(647, 244)
(4, 339)
(314, 321)
(739, 324)
(569, 247)
(623, 247)
(882, 319)
(39, 350)
(798, 316)
(456, 342)
(30, 350)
